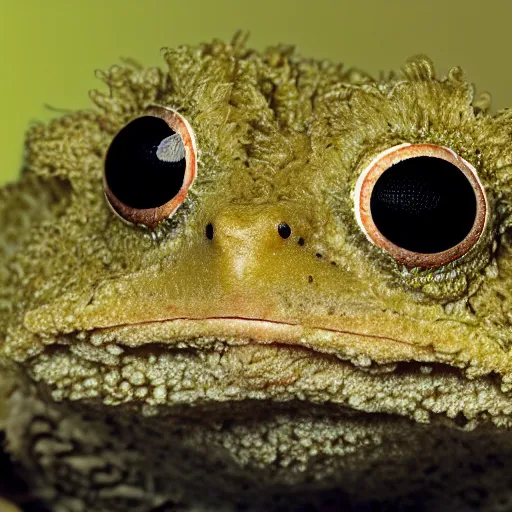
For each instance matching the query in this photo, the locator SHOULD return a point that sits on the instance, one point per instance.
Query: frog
(250, 280)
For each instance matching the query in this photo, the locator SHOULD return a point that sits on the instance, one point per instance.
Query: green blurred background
(50, 49)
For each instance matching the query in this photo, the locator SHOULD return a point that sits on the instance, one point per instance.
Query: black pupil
(423, 204)
(133, 170)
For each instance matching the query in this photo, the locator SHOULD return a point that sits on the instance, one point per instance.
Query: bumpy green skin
(370, 383)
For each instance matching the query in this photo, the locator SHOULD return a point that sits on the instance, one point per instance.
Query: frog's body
(241, 369)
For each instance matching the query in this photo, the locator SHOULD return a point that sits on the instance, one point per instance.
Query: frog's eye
(149, 167)
(422, 203)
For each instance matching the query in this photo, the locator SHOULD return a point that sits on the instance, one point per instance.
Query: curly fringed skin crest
(211, 363)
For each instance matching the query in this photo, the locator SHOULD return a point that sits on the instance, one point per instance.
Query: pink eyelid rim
(393, 155)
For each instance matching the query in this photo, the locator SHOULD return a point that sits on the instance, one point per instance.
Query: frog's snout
(246, 239)
(284, 230)
(255, 228)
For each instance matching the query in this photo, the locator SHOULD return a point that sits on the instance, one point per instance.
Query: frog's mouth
(346, 344)
(361, 335)
(186, 362)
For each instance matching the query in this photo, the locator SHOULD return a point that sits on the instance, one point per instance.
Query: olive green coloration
(243, 370)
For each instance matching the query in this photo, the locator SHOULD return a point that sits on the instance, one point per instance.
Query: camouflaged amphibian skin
(256, 350)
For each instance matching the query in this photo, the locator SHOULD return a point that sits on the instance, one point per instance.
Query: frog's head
(270, 280)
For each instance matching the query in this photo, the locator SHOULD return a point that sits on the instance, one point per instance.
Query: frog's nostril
(209, 231)
(284, 230)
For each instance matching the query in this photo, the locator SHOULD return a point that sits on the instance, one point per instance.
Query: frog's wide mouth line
(239, 330)
(362, 349)
(354, 342)
(367, 332)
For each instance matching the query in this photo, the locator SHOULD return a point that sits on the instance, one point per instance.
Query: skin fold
(169, 370)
